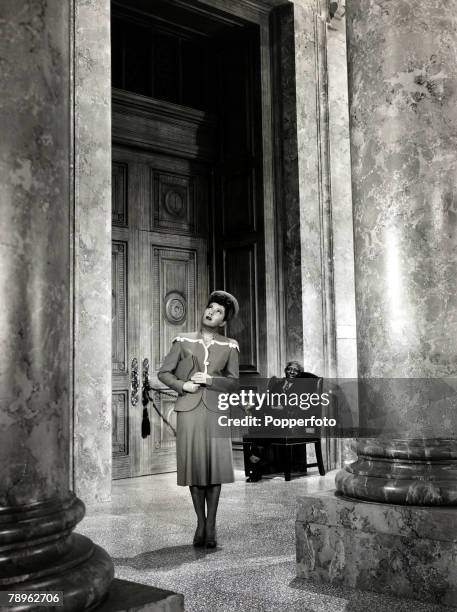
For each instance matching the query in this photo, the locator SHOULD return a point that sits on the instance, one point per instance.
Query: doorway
(187, 205)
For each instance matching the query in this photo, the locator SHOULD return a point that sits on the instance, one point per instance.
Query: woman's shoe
(211, 541)
(199, 540)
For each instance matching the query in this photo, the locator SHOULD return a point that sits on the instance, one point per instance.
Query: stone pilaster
(313, 187)
(93, 295)
(37, 510)
(304, 184)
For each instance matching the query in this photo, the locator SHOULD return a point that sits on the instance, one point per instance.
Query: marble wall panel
(342, 222)
(314, 193)
(308, 184)
(304, 178)
(92, 418)
(287, 182)
(324, 189)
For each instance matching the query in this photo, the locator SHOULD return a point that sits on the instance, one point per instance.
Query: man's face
(214, 315)
(292, 370)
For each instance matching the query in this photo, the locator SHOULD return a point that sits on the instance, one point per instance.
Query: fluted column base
(38, 551)
(411, 472)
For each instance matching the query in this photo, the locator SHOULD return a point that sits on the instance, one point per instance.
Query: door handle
(134, 383)
(146, 399)
(146, 384)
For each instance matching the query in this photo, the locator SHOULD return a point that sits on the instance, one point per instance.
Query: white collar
(231, 344)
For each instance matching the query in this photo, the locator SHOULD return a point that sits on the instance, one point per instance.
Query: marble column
(403, 126)
(402, 81)
(37, 510)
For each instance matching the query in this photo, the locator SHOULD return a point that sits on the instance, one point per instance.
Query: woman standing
(198, 367)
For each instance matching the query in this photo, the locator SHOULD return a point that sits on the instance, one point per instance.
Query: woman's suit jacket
(220, 360)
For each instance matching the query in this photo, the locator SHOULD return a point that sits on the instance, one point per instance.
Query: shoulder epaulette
(228, 342)
(185, 339)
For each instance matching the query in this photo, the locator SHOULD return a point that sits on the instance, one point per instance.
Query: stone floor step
(126, 596)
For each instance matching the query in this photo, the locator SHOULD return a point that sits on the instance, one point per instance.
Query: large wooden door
(160, 282)
(187, 203)
(239, 226)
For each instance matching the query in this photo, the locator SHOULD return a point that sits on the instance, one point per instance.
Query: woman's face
(214, 315)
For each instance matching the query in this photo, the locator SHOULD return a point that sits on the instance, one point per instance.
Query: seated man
(287, 393)
(297, 396)
(259, 457)
(292, 371)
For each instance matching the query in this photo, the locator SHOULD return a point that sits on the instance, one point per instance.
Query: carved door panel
(160, 283)
(126, 372)
(173, 291)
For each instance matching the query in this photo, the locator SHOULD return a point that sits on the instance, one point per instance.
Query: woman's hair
(224, 301)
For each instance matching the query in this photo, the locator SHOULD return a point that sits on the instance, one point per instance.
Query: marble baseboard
(406, 551)
(125, 596)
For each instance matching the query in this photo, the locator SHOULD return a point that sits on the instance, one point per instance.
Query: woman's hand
(190, 387)
(200, 378)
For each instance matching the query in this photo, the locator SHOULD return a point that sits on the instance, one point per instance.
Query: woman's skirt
(202, 458)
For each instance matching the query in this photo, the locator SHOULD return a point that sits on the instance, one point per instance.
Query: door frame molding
(260, 13)
(91, 240)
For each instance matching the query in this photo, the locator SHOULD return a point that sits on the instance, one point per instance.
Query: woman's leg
(198, 499)
(212, 493)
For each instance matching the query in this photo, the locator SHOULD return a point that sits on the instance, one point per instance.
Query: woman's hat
(227, 300)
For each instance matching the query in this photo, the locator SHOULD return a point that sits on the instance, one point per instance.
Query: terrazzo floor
(148, 527)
